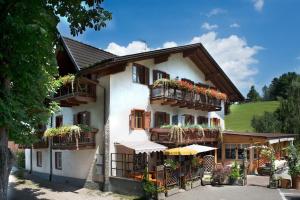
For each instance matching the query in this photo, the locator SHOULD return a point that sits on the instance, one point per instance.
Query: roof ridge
(64, 37)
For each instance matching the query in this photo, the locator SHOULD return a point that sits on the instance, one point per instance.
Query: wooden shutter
(167, 120)
(87, 118)
(166, 76)
(156, 122)
(132, 119)
(75, 120)
(147, 120)
(154, 73)
(146, 75)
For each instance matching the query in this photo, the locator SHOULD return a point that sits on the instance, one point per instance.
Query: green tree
(279, 86)
(266, 93)
(267, 123)
(253, 95)
(286, 118)
(289, 109)
(28, 69)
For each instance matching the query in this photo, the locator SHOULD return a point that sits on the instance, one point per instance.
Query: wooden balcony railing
(180, 98)
(190, 136)
(84, 141)
(81, 92)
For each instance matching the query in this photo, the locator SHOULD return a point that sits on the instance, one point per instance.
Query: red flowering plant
(200, 90)
(185, 86)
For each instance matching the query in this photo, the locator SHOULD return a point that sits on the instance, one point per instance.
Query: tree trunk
(6, 161)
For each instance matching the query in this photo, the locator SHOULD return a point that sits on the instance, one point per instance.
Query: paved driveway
(255, 190)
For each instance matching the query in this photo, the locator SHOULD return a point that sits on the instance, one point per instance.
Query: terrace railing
(84, 141)
(181, 98)
(190, 136)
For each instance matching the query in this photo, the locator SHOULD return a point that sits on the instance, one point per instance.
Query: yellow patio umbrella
(180, 151)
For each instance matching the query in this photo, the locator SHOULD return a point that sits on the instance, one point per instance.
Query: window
(256, 153)
(215, 122)
(189, 119)
(140, 74)
(159, 75)
(58, 160)
(39, 158)
(140, 119)
(161, 118)
(240, 151)
(175, 119)
(202, 120)
(58, 121)
(230, 150)
(82, 118)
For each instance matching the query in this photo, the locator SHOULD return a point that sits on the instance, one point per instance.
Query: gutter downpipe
(50, 150)
(105, 186)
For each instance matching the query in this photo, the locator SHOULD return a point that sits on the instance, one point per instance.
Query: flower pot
(296, 182)
(161, 196)
(188, 185)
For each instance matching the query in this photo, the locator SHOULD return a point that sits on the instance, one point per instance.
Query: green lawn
(241, 115)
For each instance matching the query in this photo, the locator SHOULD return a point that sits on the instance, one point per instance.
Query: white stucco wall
(126, 95)
(75, 163)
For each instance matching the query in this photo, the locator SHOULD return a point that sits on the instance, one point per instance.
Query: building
(131, 116)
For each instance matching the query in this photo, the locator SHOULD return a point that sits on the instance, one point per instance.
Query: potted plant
(148, 186)
(188, 185)
(235, 173)
(161, 193)
(294, 166)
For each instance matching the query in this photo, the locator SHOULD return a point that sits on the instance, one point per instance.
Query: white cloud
(232, 53)
(132, 48)
(234, 25)
(170, 44)
(258, 4)
(208, 26)
(216, 11)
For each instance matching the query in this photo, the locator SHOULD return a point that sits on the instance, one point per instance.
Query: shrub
(20, 159)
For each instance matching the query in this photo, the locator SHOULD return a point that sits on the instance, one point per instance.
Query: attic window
(140, 74)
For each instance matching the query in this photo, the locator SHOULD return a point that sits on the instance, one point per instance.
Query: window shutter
(147, 120)
(166, 76)
(146, 76)
(131, 119)
(75, 120)
(175, 119)
(156, 123)
(154, 75)
(87, 118)
(167, 121)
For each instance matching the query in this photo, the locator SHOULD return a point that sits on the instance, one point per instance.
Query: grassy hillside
(241, 115)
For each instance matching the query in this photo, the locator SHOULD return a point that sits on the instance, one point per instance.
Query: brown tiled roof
(265, 135)
(84, 55)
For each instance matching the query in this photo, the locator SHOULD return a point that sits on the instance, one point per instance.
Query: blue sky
(252, 40)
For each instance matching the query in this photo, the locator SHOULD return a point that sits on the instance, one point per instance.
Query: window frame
(156, 73)
(161, 115)
(230, 151)
(60, 119)
(140, 74)
(57, 166)
(202, 118)
(39, 159)
(145, 118)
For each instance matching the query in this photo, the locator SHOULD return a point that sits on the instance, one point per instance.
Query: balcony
(190, 136)
(183, 99)
(82, 92)
(86, 140)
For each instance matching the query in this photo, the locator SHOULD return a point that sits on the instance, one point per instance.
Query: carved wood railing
(182, 98)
